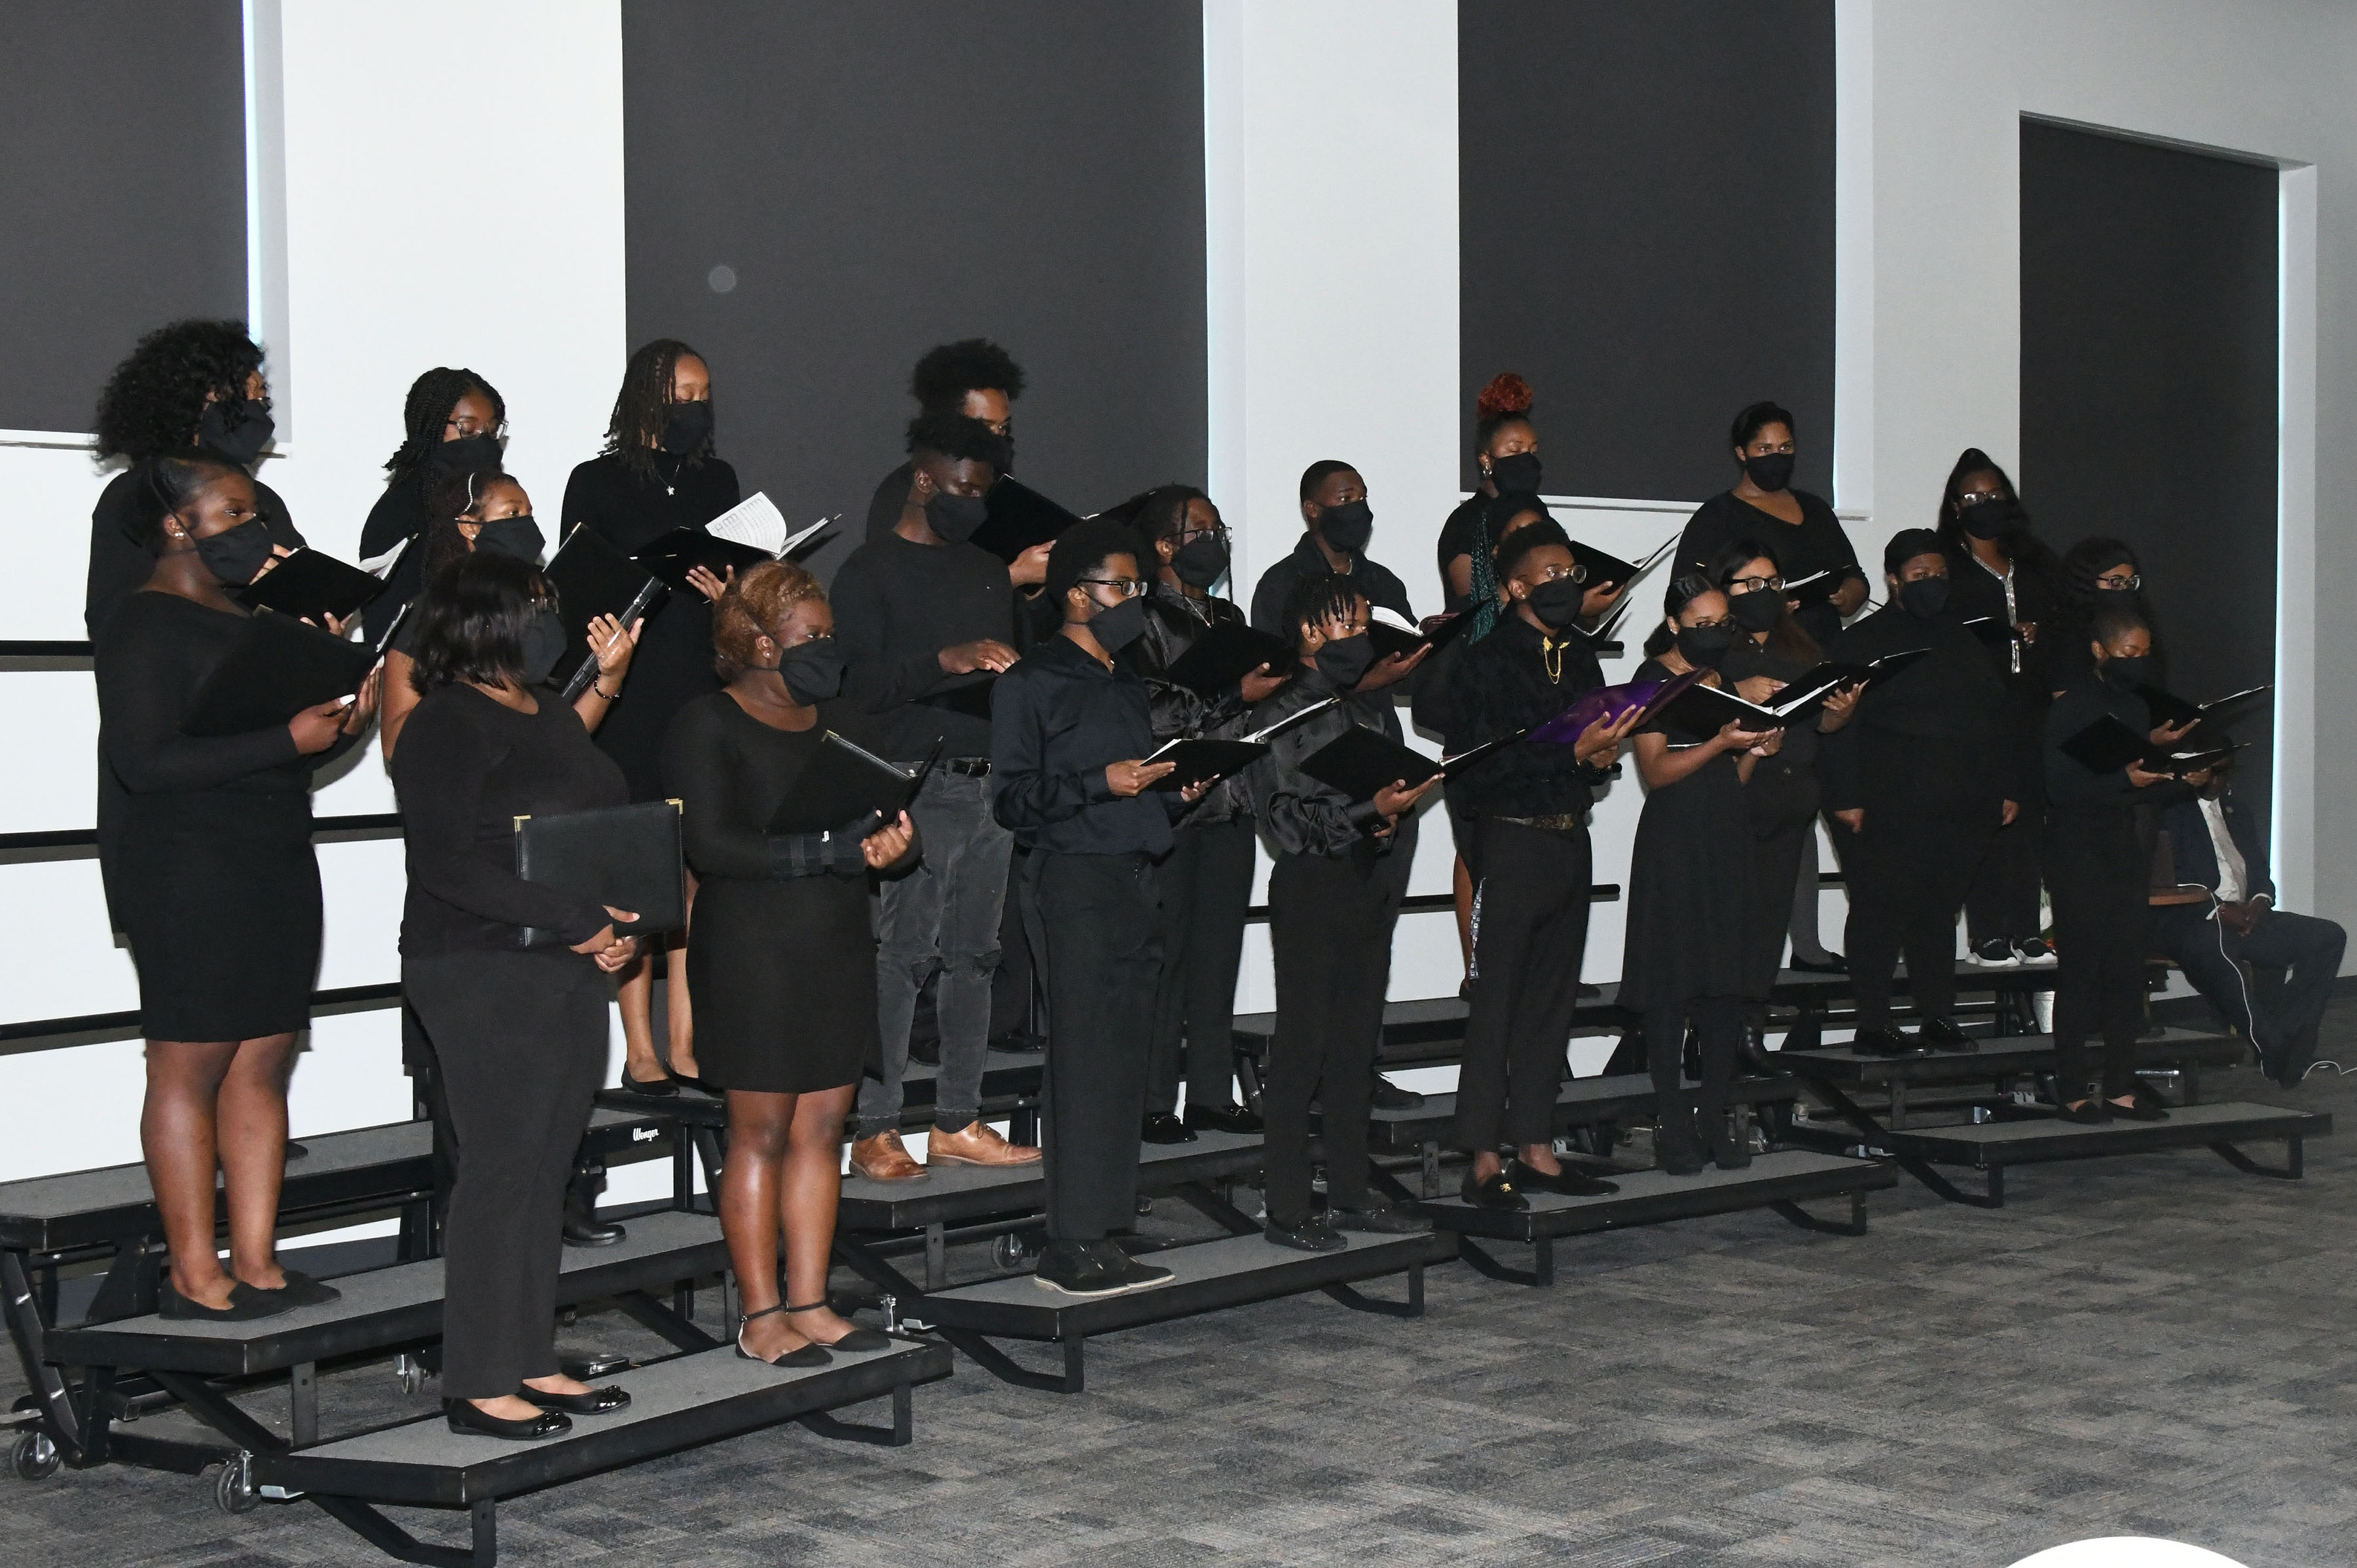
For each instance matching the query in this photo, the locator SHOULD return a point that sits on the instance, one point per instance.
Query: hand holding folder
(626, 858)
(278, 668)
(1203, 760)
(312, 586)
(751, 531)
(846, 787)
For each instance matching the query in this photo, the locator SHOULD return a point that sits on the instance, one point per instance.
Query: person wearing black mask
(1068, 728)
(1528, 805)
(453, 422)
(1799, 526)
(784, 1040)
(973, 378)
(1920, 778)
(214, 837)
(1332, 903)
(1694, 892)
(928, 624)
(658, 472)
(1506, 459)
(1206, 880)
(2096, 573)
(2100, 871)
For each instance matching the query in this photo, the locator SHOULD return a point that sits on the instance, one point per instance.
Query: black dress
(1817, 542)
(673, 664)
(1692, 886)
(783, 965)
(212, 846)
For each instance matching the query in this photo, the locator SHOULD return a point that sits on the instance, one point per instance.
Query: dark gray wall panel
(123, 187)
(881, 178)
(1647, 229)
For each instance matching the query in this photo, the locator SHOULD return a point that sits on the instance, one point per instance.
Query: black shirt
(1952, 694)
(1173, 622)
(1514, 678)
(1298, 814)
(1375, 580)
(1817, 543)
(398, 514)
(1465, 534)
(897, 606)
(2069, 784)
(156, 650)
(119, 563)
(1056, 721)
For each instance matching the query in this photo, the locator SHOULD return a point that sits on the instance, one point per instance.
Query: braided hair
(1493, 518)
(152, 402)
(636, 430)
(427, 411)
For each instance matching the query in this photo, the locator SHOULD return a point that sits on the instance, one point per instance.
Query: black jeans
(520, 1042)
(2296, 958)
(1929, 813)
(1330, 919)
(1534, 933)
(1206, 887)
(1092, 918)
(2098, 874)
(2003, 899)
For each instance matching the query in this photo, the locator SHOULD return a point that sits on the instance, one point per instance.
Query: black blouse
(119, 563)
(729, 770)
(1818, 543)
(156, 650)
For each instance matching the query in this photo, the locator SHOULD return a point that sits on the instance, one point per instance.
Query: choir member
(973, 379)
(927, 621)
(658, 472)
(1805, 534)
(1920, 778)
(1694, 888)
(1206, 879)
(452, 422)
(1069, 727)
(1528, 803)
(219, 888)
(1332, 902)
(519, 1033)
(2095, 572)
(783, 964)
(1506, 452)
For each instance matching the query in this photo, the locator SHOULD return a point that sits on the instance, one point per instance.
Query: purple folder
(1612, 703)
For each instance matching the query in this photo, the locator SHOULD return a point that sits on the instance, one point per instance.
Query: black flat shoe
(1389, 1096)
(463, 1416)
(1883, 1042)
(245, 1304)
(1377, 1219)
(1162, 1127)
(1569, 1181)
(596, 1402)
(858, 1341)
(2140, 1111)
(1942, 1035)
(1312, 1235)
(1223, 1118)
(2087, 1113)
(1834, 964)
(657, 1086)
(1496, 1192)
(296, 1150)
(301, 1290)
(1119, 1266)
(804, 1356)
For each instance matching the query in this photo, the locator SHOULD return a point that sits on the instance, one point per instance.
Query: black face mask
(1703, 646)
(1758, 610)
(1987, 519)
(517, 536)
(1347, 527)
(2128, 670)
(1202, 561)
(1345, 660)
(1770, 472)
(466, 452)
(543, 645)
(1516, 474)
(235, 556)
(1556, 603)
(1924, 598)
(813, 670)
(955, 517)
(688, 427)
(235, 429)
(1115, 626)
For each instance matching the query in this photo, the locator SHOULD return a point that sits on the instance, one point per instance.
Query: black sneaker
(1883, 1041)
(1223, 1118)
(1377, 1219)
(1120, 1266)
(1942, 1035)
(1389, 1096)
(1312, 1235)
(2033, 951)
(1072, 1269)
(1993, 953)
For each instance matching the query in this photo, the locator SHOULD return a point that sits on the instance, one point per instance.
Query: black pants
(1330, 919)
(1778, 859)
(1206, 882)
(2003, 899)
(1092, 920)
(1014, 988)
(1718, 1034)
(2098, 875)
(2294, 959)
(519, 1041)
(1533, 935)
(1928, 817)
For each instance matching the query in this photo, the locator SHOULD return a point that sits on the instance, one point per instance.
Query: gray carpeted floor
(2155, 1345)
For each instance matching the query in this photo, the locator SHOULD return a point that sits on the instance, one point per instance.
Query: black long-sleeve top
(466, 768)
(1173, 623)
(1514, 678)
(729, 770)
(1952, 694)
(1057, 719)
(398, 514)
(2069, 784)
(1298, 814)
(897, 606)
(1378, 582)
(155, 652)
(1818, 543)
(120, 563)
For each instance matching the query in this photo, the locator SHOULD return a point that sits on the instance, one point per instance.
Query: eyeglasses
(467, 424)
(1707, 625)
(1575, 573)
(1218, 531)
(1754, 585)
(1123, 587)
(2118, 583)
(1979, 498)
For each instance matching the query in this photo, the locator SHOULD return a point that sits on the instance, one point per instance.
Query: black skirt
(783, 975)
(218, 893)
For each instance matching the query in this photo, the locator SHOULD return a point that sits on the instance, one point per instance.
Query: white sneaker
(2034, 951)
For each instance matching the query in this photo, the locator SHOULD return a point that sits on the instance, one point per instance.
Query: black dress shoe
(1377, 1219)
(799, 1356)
(1119, 1266)
(1389, 1096)
(1942, 1035)
(245, 1304)
(582, 1225)
(596, 1402)
(1223, 1118)
(658, 1086)
(2137, 1109)
(1069, 1269)
(463, 1416)
(1834, 964)
(1882, 1041)
(301, 1290)
(856, 1341)
(2087, 1113)
(1569, 1181)
(1162, 1127)
(1312, 1235)
(1495, 1192)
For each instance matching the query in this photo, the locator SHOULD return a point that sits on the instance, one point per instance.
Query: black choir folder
(626, 857)
(310, 585)
(1225, 654)
(751, 531)
(1358, 762)
(1018, 518)
(592, 578)
(2212, 717)
(2108, 744)
(847, 787)
(1392, 634)
(277, 667)
(1197, 759)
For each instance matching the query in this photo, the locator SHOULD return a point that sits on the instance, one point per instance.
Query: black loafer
(1570, 1182)
(657, 1086)
(1495, 1192)
(301, 1290)
(1942, 1035)
(1162, 1127)
(1223, 1118)
(596, 1402)
(1312, 1235)
(2087, 1113)
(1389, 1096)
(2141, 1110)
(463, 1416)
(1883, 1042)
(1377, 1219)
(1119, 1266)
(245, 1304)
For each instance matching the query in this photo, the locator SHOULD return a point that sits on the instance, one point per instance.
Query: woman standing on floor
(452, 422)
(784, 959)
(520, 1033)
(220, 889)
(1693, 888)
(658, 472)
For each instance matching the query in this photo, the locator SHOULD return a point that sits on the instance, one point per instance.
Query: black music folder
(277, 667)
(1392, 633)
(310, 586)
(1195, 760)
(2168, 709)
(1019, 517)
(1225, 654)
(626, 857)
(2109, 745)
(593, 578)
(1817, 588)
(1358, 762)
(751, 531)
(846, 787)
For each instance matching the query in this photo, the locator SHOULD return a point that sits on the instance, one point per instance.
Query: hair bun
(1507, 393)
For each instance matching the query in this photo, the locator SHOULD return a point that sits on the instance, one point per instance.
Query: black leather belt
(965, 767)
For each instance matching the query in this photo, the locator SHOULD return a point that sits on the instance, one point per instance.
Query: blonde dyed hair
(754, 606)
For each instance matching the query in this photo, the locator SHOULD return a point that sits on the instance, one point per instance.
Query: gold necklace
(1550, 655)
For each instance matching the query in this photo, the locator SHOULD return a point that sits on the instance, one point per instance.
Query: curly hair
(947, 373)
(642, 407)
(152, 403)
(1507, 400)
(958, 438)
(1082, 549)
(427, 411)
(752, 608)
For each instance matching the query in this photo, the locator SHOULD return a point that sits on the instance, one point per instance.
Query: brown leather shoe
(977, 1144)
(885, 1159)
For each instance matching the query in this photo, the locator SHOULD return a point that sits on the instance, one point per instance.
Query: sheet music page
(755, 520)
(381, 566)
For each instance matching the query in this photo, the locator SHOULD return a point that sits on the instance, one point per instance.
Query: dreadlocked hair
(947, 373)
(1491, 533)
(1316, 599)
(449, 497)
(1684, 589)
(1507, 400)
(152, 403)
(427, 413)
(645, 404)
